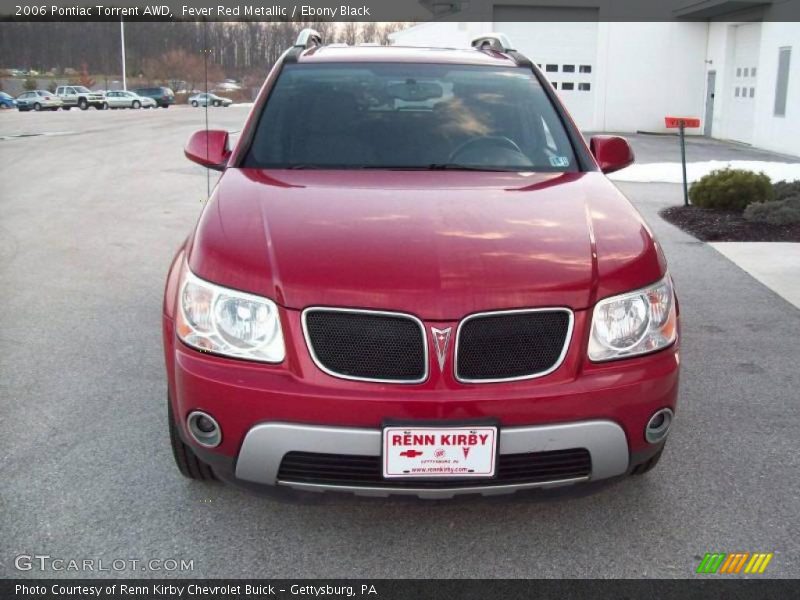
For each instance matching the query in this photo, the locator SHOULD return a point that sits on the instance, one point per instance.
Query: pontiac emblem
(441, 338)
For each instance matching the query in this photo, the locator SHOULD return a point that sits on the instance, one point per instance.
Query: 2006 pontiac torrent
(414, 277)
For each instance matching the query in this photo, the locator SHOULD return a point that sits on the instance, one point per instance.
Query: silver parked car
(38, 100)
(125, 99)
(209, 100)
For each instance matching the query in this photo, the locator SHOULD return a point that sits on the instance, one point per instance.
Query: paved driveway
(89, 220)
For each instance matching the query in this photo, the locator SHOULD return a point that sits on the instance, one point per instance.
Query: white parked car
(209, 100)
(125, 99)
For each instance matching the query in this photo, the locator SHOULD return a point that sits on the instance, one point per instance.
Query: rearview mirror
(208, 148)
(611, 152)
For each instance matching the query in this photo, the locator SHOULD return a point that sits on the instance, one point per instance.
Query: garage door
(565, 50)
(740, 100)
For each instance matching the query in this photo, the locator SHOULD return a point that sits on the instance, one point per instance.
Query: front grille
(367, 345)
(365, 471)
(511, 345)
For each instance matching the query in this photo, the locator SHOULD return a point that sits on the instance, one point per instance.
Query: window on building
(567, 68)
(555, 84)
(584, 87)
(745, 72)
(782, 83)
(567, 85)
(738, 71)
(752, 71)
(586, 68)
(752, 92)
(736, 92)
(551, 68)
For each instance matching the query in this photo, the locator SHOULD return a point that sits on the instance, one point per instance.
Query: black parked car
(162, 95)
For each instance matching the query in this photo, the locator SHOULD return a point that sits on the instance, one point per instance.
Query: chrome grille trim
(556, 365)
(324, 369)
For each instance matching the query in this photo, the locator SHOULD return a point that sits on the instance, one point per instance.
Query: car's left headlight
(635, 323)
(228, 322)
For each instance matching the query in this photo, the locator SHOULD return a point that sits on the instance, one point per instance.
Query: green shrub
(778, 212)
(730, 189)
(784, 189)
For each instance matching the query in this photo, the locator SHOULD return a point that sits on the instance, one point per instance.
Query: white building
(739, 72)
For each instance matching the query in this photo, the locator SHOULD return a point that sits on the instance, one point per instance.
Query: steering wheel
(496, 141)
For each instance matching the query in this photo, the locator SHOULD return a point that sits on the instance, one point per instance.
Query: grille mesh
(367, 345)
(365, 471)
(510, 345)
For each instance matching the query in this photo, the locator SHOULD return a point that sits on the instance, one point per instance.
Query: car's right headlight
(215, 319)
(634, 323)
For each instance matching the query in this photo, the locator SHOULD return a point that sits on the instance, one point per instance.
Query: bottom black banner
(389, 589)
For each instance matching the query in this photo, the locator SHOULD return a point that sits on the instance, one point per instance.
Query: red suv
(413, 277)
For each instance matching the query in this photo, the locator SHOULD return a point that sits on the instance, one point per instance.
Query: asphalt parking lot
(92, 208)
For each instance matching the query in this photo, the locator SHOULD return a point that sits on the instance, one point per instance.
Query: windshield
(81, 89)
(409, 116)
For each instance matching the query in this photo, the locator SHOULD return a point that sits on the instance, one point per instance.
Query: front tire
(185, 459)
(216, 103)
(195, 104)
(37, 107)
(83, 104)
(136, 105)
(648, 466)
(104, 106)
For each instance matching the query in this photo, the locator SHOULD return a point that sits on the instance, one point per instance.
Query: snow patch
(670, 172)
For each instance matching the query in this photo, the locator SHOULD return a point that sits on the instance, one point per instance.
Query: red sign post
(682, 123)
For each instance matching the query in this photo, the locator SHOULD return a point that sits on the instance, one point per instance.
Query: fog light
(658, 426)
(204, 429)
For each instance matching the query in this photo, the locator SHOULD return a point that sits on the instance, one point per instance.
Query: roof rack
(493, 41)
(307, 38)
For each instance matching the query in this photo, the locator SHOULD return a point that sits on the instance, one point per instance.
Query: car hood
(439, 245)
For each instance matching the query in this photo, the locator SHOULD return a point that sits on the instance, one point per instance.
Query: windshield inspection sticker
(559, 161)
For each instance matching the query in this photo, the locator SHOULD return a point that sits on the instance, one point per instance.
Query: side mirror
(209, 149)
(611, 152)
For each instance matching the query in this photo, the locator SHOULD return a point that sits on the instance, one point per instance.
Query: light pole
(122, 45)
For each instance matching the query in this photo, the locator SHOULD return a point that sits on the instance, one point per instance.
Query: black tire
(37, 107)
(136, 104)
(54, 109)
(104, 106)
(83, 104)
(648, 466)
(165, 106)
(216, 103)
(187, 462)
(65, 107)
(195, 104)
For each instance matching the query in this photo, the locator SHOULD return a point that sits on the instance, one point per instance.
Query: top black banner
(488, 11)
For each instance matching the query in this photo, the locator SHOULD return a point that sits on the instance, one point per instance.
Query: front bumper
(265, 446)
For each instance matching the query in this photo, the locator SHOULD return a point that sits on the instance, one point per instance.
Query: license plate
(441, 452)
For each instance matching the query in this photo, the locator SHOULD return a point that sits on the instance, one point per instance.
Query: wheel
(136, 104)
(54, 109)
(37, 107)
(165, 106)
(216, 103)
(648, 466)
(103, 106)
(185, 459)
(83, 104)
(195, 104)
(65, 107)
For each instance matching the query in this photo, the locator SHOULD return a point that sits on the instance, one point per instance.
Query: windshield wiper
(458, 167)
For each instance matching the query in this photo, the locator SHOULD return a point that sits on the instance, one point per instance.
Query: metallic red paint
(611, 152)
(208, 149)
